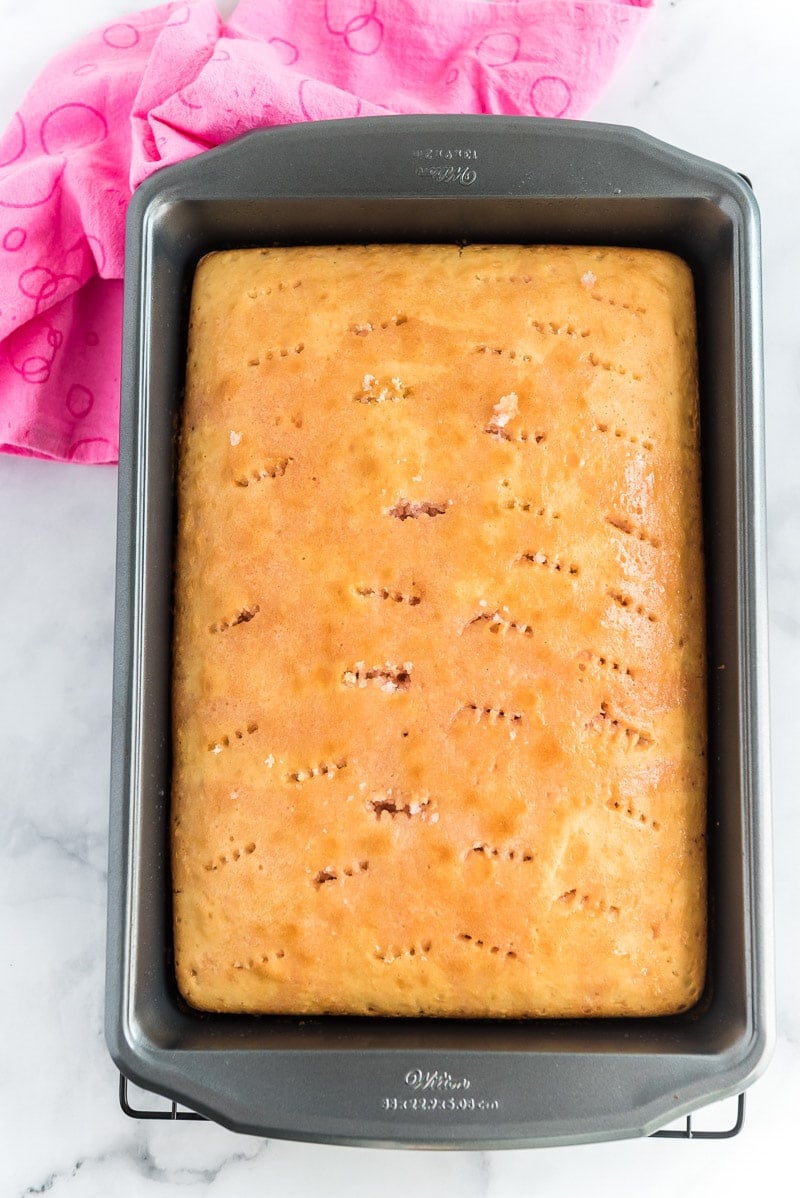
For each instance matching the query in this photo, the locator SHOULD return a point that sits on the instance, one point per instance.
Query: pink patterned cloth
(169, 82)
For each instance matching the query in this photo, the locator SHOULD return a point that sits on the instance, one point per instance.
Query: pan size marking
(441, 1104)
(446, 154)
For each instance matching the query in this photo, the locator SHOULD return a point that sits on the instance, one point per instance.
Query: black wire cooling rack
(175, 1112)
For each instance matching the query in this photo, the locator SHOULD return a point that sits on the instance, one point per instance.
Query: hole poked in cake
(322, 769)
(535, 557)
(499, 351)
(494, 950)
(389, 677)
(411, 509)
(363, 328)
(628, 604)
(499, 853)
(243, 616)
(394, 803)
(587, 658)
(512, 503)
(632, 529)
(634, 309)
(392, 953)
(592, 904)
(552, 328)
(338, 873)
(621, 434)
(233, 854)
(520, 436)
(274, 469)
(612, 367)
(384, 593)
(500, 623)
(271, 958)
(227, 740)
(627, 809)
(278, 351)
(618, 729)
(490, 715)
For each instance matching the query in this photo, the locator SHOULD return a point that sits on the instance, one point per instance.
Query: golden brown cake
(439, 676)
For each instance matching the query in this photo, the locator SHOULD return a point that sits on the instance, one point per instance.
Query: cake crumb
(506, 408)
(373, 392)
(235, 437)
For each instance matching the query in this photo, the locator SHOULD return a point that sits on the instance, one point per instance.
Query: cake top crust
(439, 680)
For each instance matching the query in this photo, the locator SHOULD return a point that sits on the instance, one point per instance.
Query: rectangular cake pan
(437, 1083)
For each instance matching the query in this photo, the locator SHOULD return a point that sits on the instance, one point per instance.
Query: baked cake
(439, 677)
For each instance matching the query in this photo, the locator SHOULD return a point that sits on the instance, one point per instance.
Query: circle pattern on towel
(71, 127)
(38, 282)
(80, 401)
(356, 23)
(550, 95)
(31, 350)
(14, 239)
(498, 49)
(287, 52)
(363, 35)
(341, 13)
(121, 37)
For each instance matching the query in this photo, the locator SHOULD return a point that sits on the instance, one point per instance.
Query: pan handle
(441, 156)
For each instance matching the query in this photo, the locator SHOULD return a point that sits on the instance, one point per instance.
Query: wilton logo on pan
(434, 1079)
(447, 165)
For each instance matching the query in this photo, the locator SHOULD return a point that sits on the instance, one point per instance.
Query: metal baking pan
(422, 1082)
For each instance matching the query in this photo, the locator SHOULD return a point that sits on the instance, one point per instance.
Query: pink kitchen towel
(160, 85)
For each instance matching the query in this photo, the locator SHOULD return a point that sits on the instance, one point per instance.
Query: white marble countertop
(715, 78)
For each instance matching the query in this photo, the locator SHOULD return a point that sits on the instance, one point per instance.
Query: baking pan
(424, 1082)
